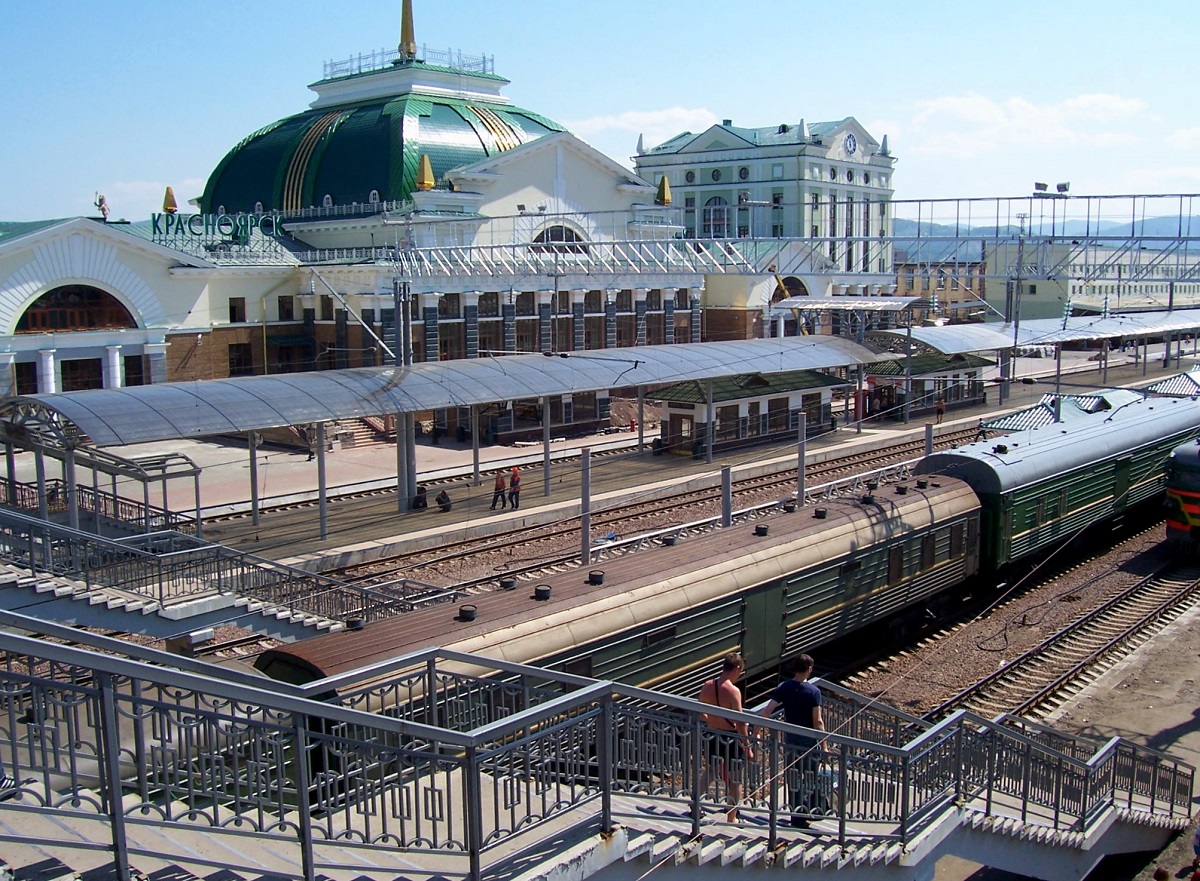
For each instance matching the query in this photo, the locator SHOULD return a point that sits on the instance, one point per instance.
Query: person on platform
(729, 746)
(514, 489)
(443, 501)
(498, 491)
(801, 702)
(940, 409)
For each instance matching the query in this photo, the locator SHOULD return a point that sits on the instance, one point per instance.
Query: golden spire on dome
(408, 40)
(425, 178)
(664, 192)
(170, 206)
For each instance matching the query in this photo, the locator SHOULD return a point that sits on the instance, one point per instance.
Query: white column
(47, 372)
(114, 376)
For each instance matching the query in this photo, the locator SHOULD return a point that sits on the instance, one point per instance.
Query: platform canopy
(957, 338)
(168, 411)
(853, 304)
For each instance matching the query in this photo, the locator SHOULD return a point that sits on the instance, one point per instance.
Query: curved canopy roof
(168, 411)
(956, 338)
(998, 466)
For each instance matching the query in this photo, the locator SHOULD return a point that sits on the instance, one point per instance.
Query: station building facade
(410, 193)
(827, 180)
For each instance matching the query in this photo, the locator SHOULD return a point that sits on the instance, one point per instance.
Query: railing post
(110, 734)
(605, 753)
(474, 811)
(431, 694)
(959, 788)
(1026, 772)
(1058, 790)
(303, 806)
(697, 746)
(905, 765)
(771, 742)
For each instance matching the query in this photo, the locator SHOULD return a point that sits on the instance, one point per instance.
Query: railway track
(544, 543)
(1042, 678)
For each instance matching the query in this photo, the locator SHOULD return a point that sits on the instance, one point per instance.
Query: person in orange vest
(498, 491)
(514, 489)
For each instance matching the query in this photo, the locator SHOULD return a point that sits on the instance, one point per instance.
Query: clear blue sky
(978, 99)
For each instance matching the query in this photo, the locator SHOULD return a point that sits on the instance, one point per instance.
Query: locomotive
(662, 617)
(1182, 503)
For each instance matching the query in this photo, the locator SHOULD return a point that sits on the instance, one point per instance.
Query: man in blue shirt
(801, 702)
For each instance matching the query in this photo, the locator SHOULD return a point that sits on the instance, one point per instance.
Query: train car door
(763, 627)
(1121, 484)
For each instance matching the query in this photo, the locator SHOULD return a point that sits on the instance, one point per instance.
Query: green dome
(347, 149)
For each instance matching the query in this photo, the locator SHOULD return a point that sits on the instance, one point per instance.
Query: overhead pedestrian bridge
(445, 765)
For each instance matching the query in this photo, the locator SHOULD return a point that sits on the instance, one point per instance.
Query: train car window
(1183, 477)
(956, 540)
(895, 564)
(1040, 514)
(928, 548)
(664, 634)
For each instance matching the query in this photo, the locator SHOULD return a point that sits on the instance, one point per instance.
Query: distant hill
(1152, 227)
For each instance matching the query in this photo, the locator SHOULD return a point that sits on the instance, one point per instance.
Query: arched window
(258, 207)
(717, 219)
(562, 239)
(374, 197)
(75, 307)
(327, 201)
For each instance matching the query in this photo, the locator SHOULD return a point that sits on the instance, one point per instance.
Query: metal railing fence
(168, 567)
(515, 748)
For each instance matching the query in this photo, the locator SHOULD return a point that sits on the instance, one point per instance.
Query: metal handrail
(182, 567)
(192, 749)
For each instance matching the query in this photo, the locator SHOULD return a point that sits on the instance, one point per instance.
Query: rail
(449, 761)
(97, 503)
(168, 567)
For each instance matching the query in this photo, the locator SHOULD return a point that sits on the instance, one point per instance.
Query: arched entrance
(75, 308)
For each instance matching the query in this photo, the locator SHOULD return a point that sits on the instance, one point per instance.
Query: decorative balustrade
(439, 758)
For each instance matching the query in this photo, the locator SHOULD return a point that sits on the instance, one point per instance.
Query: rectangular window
(1033, 289)
(654, 301)
(956, 540)
(26, 377)
(777, 170)
(237, 310)
(287, 308)
(895, 564)
(689, 201)
(593, 301)
(135, 373)
(928, 551)
(241, 360)
(326, 307)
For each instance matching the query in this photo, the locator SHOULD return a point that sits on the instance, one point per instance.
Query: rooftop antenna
(408, 40)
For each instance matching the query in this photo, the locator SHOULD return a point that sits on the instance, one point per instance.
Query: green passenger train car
(664, 616)
(1040, 487)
